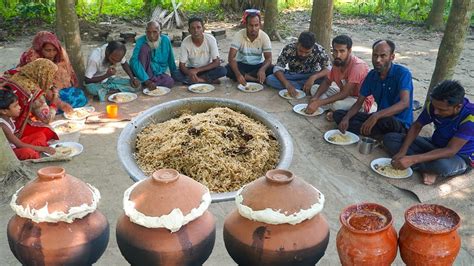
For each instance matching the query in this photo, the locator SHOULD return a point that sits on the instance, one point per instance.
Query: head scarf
(43, 37)
(38, 74)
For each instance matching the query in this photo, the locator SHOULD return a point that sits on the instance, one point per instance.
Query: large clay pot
(277, 222)
(56, 221)
(166, 221)
(429, 235)
(367, 236)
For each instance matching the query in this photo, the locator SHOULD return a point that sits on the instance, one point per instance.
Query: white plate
(159, 91)
(62, 127)
(286, 95)
(122, 97)
(250, 87)
(330, 133)
(79, 113)
(201, 88)
(77, 148)
(300, 107)
(385, 161)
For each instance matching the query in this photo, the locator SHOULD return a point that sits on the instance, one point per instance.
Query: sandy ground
(339, 172)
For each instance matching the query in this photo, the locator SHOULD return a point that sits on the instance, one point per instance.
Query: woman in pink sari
(46, 45)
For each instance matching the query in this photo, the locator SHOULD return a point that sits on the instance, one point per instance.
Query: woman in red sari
(30, 86)
(46, 45)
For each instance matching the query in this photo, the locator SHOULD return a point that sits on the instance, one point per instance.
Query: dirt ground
(339, 172)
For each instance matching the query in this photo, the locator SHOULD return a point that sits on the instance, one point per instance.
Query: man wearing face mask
(152, 57)
(307, 63)
(348, 72)
(450, 150)
(392, 88)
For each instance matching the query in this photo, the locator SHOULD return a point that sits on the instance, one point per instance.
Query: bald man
(152, 57)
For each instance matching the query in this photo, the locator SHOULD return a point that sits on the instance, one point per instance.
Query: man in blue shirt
(391, 86)
(450, 150)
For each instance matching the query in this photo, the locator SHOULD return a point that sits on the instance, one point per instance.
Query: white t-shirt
(96, 66)
(194, 56)
(10, 125)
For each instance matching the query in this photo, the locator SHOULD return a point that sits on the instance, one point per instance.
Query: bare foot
(329, 116)
(429, 179)
(216, 81)
(201, 80)
(250, 78)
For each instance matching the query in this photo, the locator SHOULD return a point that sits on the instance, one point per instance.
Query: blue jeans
(209, 75)
(297, 80)
(444, 167)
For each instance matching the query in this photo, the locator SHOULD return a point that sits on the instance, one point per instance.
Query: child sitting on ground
(26, 147)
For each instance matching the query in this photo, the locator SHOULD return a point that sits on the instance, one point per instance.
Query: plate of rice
(66, 149)
(62, 127)
(301, 109)
(285, 94)
(250, 87)
(201, 88)
(158, 91)
(383, 166)
(79, 113)
(122, 97)
(336, 137)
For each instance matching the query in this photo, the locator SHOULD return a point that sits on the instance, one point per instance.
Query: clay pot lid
(55, 196)
(432, 218)
(366, 218)
(164, 197)
(280, 191)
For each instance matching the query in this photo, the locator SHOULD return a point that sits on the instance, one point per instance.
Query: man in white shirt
(100, 71)
(246, 62)
(199, 56)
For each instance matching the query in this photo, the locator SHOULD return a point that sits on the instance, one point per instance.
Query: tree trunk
(452, 43)
(13, 173)
(147, 7)
(72, 36)
(321, 22)
(59, 29)
(101, 4)
(271, 19)
(435, 17)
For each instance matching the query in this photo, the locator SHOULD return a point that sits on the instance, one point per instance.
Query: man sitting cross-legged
(348, 72)
(246, 62)
(199, 56)
(450, 150)
(392, 88)
(307, 64)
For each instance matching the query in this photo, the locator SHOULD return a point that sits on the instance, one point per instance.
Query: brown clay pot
(367, 236)
(429, 235)
(164, 193)
(67, 236)
(256, 240)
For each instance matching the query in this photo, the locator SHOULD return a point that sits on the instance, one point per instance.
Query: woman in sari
(30, 86)
(46, 45)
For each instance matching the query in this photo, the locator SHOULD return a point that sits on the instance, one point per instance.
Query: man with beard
(348, 72)
(450, 150)
(246, 62)
(307, 63)
(199, 56)
(392, 87)
(152, 57)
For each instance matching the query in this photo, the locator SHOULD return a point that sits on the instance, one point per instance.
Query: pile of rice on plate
(221, 148)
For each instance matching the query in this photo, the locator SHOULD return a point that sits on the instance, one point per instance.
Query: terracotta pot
(148, 234)
(367, 236)
(429, 235)
(277, 222)
(57, 222)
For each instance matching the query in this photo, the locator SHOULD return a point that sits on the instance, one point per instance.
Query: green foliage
(294, 4)
(27, 10)
(408, 10)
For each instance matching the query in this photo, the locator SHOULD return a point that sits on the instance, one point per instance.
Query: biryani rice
(221, 148)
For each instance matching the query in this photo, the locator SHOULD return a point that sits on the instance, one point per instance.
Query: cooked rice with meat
(221, 148)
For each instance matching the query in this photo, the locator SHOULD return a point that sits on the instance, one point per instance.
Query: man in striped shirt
(250, 54)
